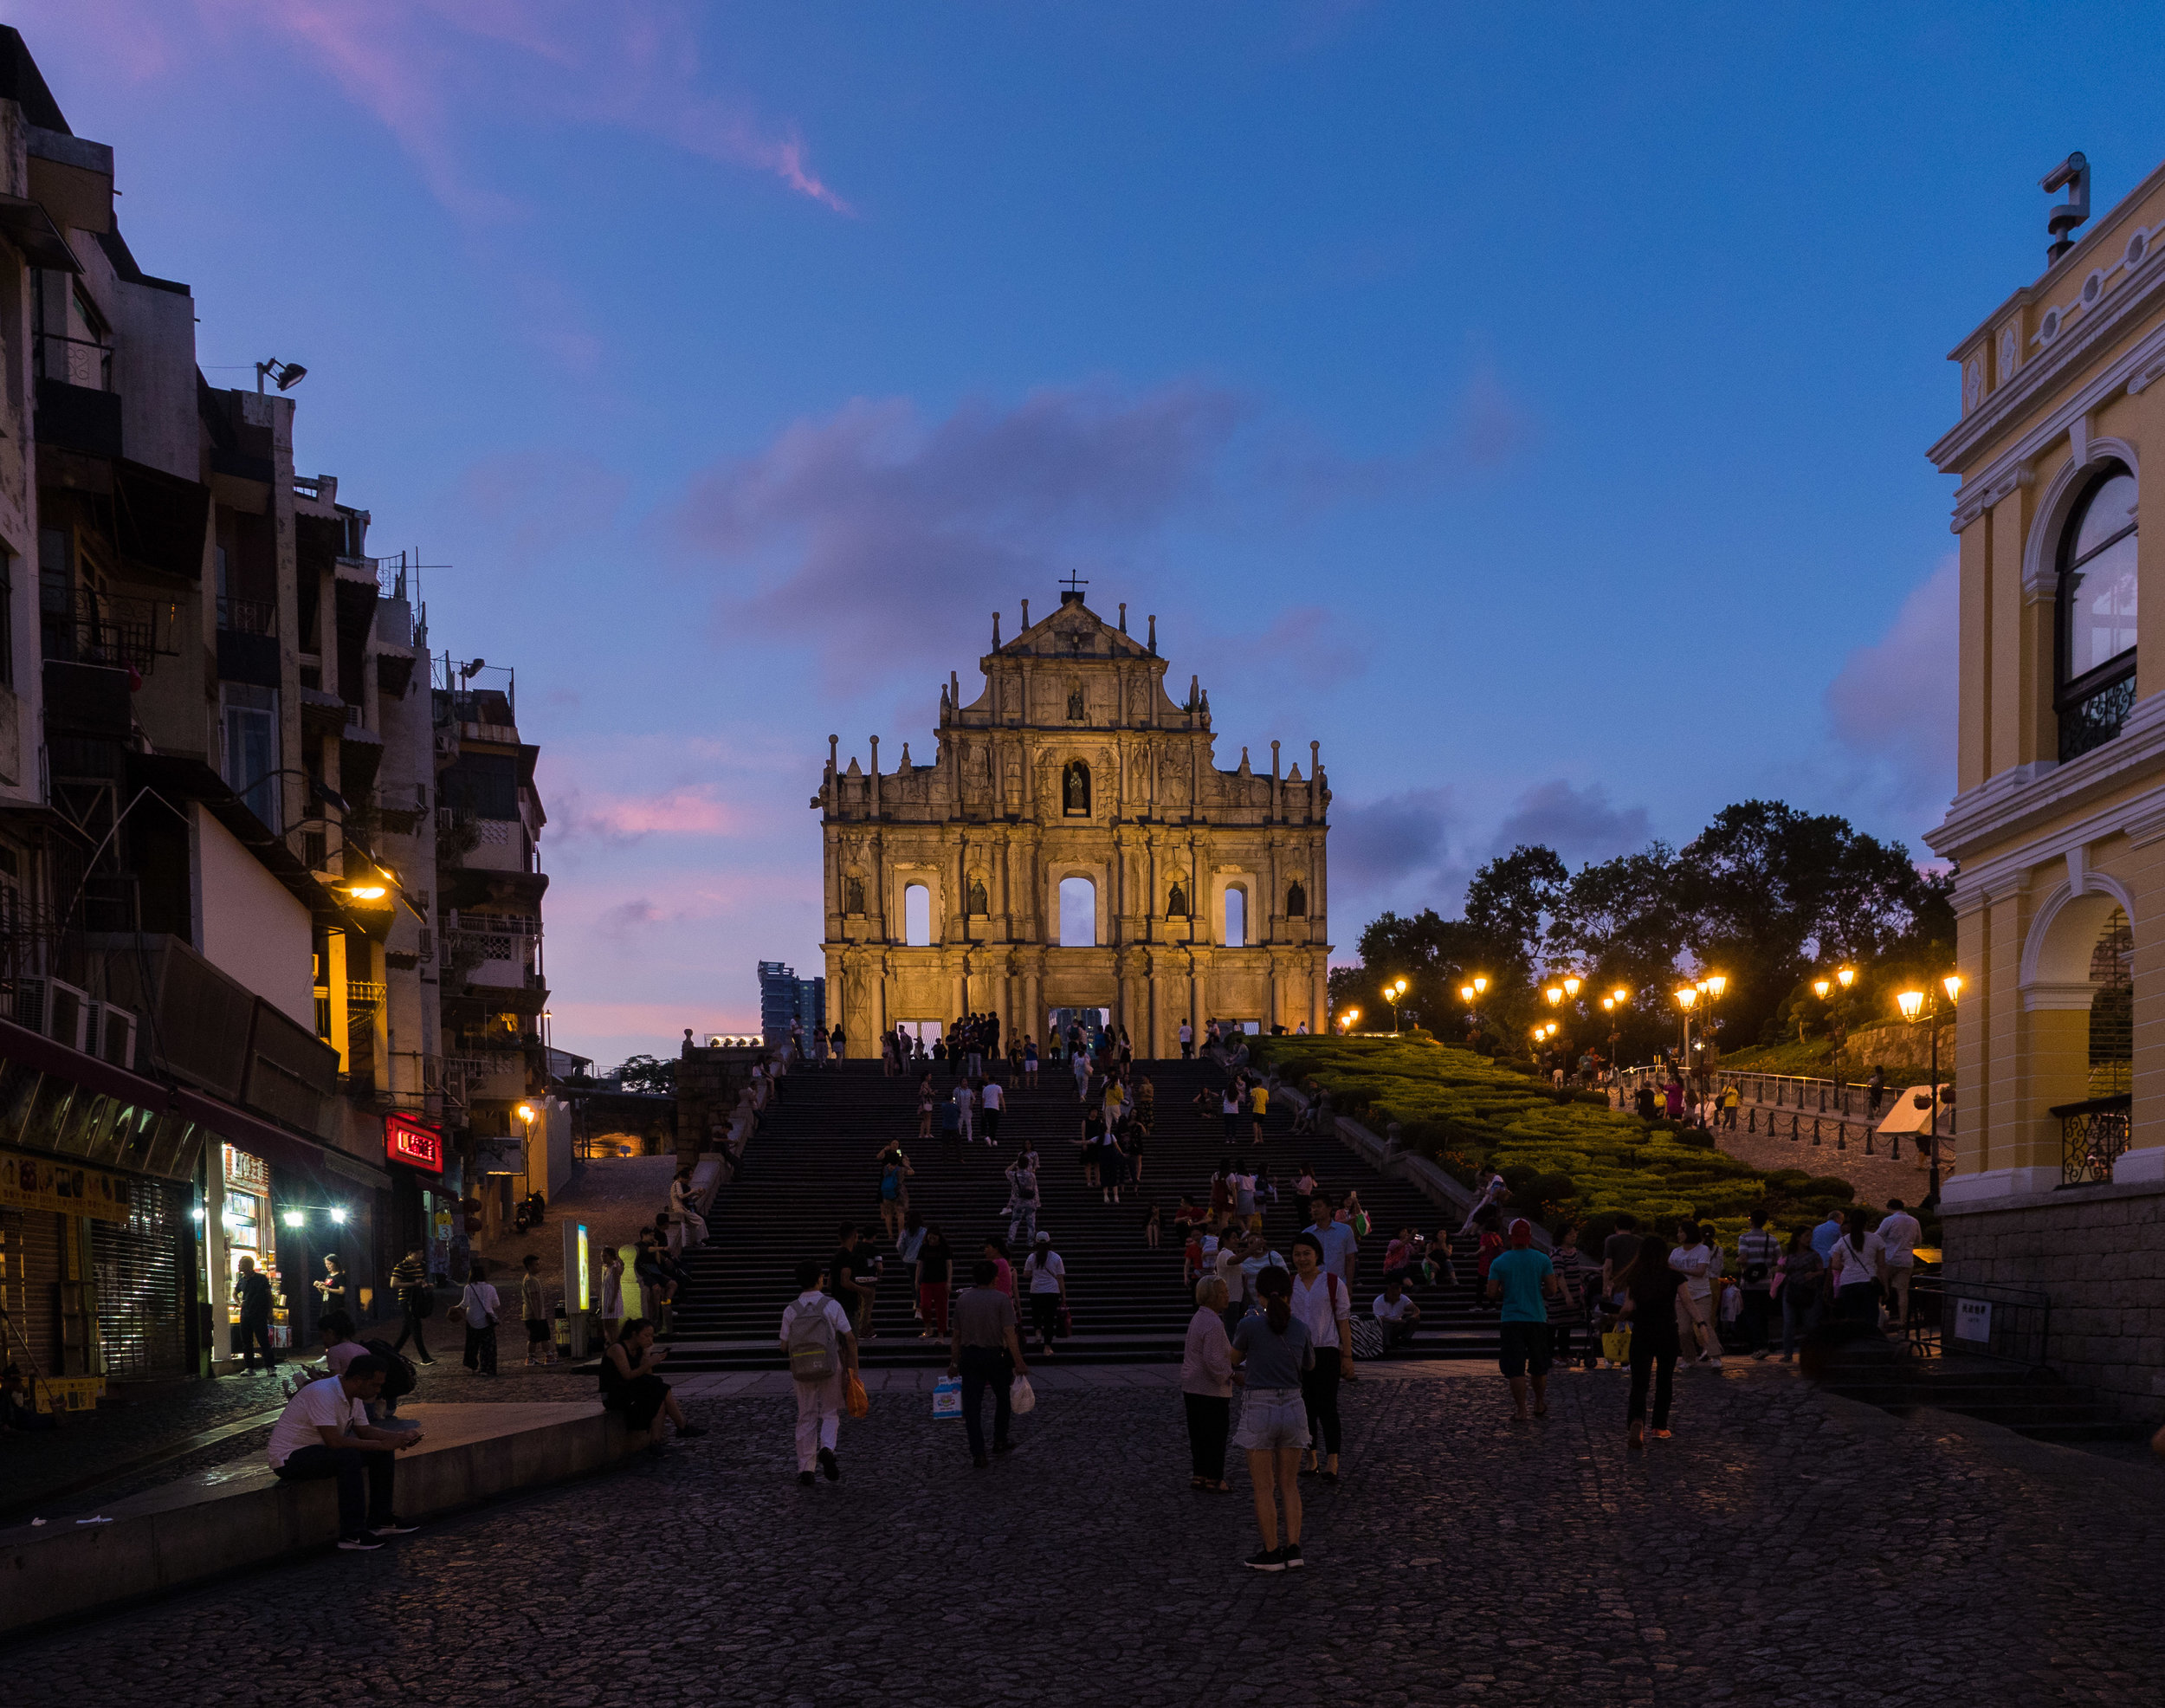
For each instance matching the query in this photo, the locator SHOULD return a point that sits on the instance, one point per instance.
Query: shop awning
(274, 1144)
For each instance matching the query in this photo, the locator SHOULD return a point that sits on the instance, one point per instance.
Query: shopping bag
(1067, 1323)
(1616, 1347)
(1020, 1396)
(854, 1397)
(946, 1397)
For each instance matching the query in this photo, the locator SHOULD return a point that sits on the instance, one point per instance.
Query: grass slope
(1567, 1155)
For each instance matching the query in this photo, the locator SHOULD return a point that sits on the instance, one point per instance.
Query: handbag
(456, 1315)
(1021, 1397)
(1616, 1346)
(854, 1397)
(1367, 1338)
(946, 1397)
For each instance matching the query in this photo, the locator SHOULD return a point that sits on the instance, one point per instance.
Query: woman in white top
(684, 1211)
(1860, 1261)
(1320, 1300)
(1206, 1386)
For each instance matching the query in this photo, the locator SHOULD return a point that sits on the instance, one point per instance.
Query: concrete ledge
(2052, 1198)
(222, 1520)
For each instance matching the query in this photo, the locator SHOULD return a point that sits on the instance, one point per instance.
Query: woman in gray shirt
(1271, 1350)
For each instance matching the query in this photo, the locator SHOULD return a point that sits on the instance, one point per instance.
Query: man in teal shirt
(1524, 1280)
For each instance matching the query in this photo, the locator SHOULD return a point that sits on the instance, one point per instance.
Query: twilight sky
(1528, 403)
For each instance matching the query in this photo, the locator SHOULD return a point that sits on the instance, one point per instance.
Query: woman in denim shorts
(1271, 1349)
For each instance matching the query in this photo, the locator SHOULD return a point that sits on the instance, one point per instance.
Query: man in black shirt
(252, 1289)
(846, 1271)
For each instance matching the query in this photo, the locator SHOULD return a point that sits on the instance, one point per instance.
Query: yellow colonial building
(2058, 824)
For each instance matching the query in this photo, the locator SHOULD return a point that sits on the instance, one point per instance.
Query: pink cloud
(691, 811)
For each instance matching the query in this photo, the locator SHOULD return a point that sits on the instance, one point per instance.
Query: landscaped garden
(1567, 1155)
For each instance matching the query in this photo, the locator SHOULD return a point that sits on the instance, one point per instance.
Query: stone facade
(2098, 1254)
(1074, 762)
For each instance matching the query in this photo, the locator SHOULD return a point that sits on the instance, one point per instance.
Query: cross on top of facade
(1075, 584)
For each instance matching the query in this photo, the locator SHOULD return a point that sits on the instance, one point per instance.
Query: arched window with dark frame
(2094, 679)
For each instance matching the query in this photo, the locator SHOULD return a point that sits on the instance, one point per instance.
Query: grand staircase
(813, 1164)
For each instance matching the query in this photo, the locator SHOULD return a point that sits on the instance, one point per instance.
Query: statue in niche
(1177, 906)
(977, 895)
(853, 894)
(1076, 710)
(1074, 790)
(1296, 901)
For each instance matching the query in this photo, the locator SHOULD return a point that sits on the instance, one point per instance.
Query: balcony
(77, 407)
(112, 630)
(247, 617)
(2095, 719)
(2093, 1135)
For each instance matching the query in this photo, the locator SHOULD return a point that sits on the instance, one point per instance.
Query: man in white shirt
(1899, 1233)
(1693, 1259)
(1188, 1042)
(1397, 1312)
(966, 1100)
(325, 1432)
(1048, 1291)
(821, 1350)
(994, 1098)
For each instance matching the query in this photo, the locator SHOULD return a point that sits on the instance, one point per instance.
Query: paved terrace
(1785, 1548)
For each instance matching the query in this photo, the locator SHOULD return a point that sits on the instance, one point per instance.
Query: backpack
(399, 1375)
(811, 1345)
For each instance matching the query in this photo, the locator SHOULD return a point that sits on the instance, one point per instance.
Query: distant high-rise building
(785, 998)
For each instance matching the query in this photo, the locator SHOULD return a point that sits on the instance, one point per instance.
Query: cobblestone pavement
(1785, 1549)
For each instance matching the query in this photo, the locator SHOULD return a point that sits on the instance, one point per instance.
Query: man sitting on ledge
(325, 1432)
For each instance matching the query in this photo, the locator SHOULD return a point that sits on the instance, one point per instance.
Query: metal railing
(248, 617)
(1979, 1319)
(360, 993)
(69, 364)
(112, 629)
(2092, 1136)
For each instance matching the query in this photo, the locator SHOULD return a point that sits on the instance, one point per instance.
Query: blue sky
(1529, 404)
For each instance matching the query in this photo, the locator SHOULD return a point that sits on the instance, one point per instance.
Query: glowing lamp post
(1912, 1005)
(1394, 993)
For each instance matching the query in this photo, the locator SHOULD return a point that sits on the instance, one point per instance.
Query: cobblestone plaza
(1785, 1547)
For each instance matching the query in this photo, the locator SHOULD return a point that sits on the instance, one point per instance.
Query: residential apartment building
(788, 1001)
(2058, 826)
(223, 848)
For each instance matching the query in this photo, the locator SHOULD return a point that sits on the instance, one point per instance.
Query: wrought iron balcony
(2093, 1134)
(2095, 719)
(248, 617)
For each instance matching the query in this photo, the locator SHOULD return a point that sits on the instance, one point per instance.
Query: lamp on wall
(284, 375)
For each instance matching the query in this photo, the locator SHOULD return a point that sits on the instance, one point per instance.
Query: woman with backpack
(1320, 1301)
(1650, 1288)
(1271, 1357)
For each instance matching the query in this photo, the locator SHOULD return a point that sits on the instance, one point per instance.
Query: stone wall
(2098, 1254)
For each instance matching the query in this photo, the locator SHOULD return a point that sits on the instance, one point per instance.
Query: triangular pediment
(1072, 630)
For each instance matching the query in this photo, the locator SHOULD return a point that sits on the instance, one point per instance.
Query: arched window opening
(1236, 918)
(1296, 901)
(917, 916)
(2112, 1010)
(2094, 682)
(1078, 913)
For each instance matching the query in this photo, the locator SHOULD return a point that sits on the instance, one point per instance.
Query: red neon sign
(409, 1143)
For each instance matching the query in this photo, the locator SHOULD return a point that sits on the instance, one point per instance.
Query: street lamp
(1686, 995)
(1346, 1019)
(1394, 993)
(1911, 1002)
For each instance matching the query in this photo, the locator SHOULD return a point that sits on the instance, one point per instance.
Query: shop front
(423, 1195)
(99, 1224)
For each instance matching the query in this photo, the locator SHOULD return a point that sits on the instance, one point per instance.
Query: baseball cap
(1522, 1232)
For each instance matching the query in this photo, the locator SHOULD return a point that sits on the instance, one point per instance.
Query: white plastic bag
(946, 1397)
(1021, 1397)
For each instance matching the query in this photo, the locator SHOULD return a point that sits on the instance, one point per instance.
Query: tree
(1511, 900)
(649, 1074)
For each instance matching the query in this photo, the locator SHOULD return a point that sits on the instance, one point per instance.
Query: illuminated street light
(1847, 976)
(1571, 986)
(1555, 994)
(1822, 987)
(292, 1219)
(1911, 1002)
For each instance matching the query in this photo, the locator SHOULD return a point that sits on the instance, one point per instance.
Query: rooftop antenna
(2072, 175)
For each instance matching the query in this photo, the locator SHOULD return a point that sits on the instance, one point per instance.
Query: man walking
(1188, 1042)
(842, 1271)
(986, 1354)
(1899, 1232)
(994, 1097)
(252, 1292)
(410, 1283)
(1524, 1280)
(817, 1340)
(1492, 1190)
(1341, 1245)
(1757, 1252)
(1048, 1278)
(1021, 1202)
(324, 1431)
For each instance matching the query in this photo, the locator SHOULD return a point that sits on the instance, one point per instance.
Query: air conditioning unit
(28, 1007)
(68, 1014)
(112, 1034)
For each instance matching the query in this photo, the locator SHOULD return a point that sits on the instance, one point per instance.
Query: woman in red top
(1491, 1248)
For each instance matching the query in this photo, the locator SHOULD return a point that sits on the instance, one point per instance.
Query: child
(1191, 1256)
(1150, 1227)
(533, 1305)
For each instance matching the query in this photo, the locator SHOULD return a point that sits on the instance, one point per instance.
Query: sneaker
(1262, 1560)
(1760, 1356)
(1661, 1434)
(804, 1479)
(1290, 1555)
(358, 1545)
(828, 1467)
(392, 1526)
(690, 1431)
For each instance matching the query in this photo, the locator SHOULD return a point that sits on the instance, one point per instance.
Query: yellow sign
(586, 1271)
(39, 1183)
(68, 1393)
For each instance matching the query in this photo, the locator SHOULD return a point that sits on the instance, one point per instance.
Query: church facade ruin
(1207, 890)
